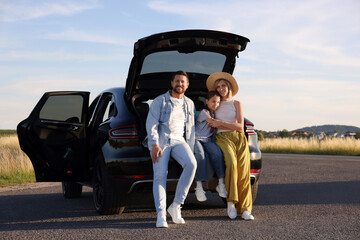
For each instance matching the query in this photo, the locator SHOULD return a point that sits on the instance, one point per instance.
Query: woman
(229, 121)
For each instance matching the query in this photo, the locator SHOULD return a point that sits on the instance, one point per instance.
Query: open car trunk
(197, 52)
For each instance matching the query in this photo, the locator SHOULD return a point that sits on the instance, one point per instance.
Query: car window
(63, 108)
(110, 108)
(172, 61)
(91, 109)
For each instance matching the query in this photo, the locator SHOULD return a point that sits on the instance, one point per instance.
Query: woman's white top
(226, 112)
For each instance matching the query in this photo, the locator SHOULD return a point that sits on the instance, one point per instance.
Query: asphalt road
(300, 197)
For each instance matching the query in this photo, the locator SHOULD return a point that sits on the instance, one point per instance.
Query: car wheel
(106, 199)
(71, 189)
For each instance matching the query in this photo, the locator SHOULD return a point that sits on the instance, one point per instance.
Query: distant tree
(300, 135)
(357, 136)
(260, 136)
(267, 134)
(311, 135)
(284, 133)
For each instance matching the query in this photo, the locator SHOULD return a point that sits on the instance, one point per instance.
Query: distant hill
(330, 128)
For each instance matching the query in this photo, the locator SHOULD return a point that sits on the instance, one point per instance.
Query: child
(206, 149)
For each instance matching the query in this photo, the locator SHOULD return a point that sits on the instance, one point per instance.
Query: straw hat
(210, 82)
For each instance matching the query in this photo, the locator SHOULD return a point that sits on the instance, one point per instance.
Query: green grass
(7, 132)
(17, 178)
(15, 166)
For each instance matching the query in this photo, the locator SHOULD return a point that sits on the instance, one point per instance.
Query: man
(169, 116)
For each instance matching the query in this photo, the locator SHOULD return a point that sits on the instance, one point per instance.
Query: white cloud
(12, 11)
(295, 103)
(40, 84)
(307, 30)
(73, 35)
(326, 56)
(22, 96)
(308, 83)
(205, 12)
(60, 56)
(184, 8)
(302, 40)
(7, 42)
(301, 67)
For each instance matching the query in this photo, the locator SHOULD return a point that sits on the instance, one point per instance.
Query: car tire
(107, 200)
(71, 189)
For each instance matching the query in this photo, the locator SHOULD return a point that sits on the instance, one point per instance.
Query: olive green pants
(237, 174)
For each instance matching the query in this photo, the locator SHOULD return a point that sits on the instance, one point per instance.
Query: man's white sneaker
(221, 189)
(161, 221)
(246, 215)
(231, 210)
(200, 194)
(175, 214)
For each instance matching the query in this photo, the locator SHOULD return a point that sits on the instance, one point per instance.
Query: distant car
(100, 144)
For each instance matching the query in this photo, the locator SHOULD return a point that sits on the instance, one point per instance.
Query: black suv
(100, 144)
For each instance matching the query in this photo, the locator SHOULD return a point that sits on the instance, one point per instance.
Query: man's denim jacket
(158, 120)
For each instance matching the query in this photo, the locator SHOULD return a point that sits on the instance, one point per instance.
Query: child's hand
(213, 122)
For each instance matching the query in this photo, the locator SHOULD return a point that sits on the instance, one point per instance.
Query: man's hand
(156, 151)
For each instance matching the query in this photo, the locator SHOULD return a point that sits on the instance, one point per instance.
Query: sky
(300, 69)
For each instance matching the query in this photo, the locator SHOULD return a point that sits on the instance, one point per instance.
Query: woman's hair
(226, 82)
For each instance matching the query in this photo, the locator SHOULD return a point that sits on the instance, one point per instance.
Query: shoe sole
(248, 219)
(163, 226)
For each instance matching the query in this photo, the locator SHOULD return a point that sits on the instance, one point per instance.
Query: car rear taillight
(255, 170)
(250, 130)
(129, 131)
(132, 177)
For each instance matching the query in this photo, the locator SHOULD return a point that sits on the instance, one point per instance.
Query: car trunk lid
(198, 52)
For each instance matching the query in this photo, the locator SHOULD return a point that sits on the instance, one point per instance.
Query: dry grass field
(15, 166)
(329, 146)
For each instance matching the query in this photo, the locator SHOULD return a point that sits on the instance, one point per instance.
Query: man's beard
(181, 90)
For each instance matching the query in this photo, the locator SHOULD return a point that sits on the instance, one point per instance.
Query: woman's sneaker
(231, 210)
(221, 189)
(246, 215)
(200, 194)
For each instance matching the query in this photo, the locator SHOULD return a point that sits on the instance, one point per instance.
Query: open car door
(54, 136)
